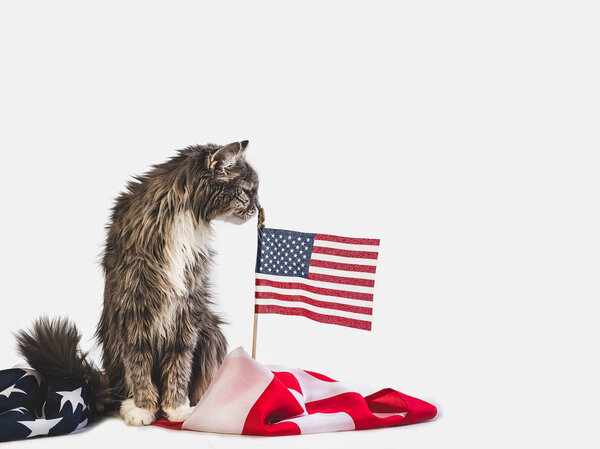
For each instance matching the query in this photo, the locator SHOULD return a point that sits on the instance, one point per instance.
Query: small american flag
(323, 277)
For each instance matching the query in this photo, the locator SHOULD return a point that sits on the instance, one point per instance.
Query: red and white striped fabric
(249, 398)
(326, 278)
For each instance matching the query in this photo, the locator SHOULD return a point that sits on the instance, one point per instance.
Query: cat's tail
(52, 348)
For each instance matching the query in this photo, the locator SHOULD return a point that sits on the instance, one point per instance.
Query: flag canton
(284, 253)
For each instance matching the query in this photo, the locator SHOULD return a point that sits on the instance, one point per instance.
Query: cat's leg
(112, 362)
(176, 368)
(112, 358)
(140, 408)
(210, 351)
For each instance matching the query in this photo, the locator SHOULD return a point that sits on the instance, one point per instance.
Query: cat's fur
(161, 341)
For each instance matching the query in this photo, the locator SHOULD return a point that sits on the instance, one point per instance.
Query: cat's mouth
(246, 214)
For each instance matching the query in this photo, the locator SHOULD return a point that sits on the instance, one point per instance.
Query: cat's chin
(232, 218)
(235, 218)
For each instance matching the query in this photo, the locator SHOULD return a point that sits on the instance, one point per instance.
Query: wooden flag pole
(261, 224)
(254, 336)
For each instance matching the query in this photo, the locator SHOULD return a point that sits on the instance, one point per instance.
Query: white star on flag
(40, 426)
(10, 390)
(74, 397)
(32, 372)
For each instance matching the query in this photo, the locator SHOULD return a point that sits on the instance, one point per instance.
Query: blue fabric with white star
(31, 406)
(284, 253)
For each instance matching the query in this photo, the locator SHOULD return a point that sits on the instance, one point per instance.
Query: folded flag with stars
(31, 406)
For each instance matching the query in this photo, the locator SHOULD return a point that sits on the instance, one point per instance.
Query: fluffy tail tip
(52, 348)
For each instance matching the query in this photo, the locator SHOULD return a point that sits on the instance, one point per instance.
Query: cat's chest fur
(186, 246)
(186, 243)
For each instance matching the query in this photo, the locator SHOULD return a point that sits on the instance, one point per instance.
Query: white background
(463, 134)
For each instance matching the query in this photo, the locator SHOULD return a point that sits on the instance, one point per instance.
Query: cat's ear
(226, 156)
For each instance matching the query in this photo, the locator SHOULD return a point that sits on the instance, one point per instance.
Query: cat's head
(233, 183)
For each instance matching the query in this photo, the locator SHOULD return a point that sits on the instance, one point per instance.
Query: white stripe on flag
(314, 389)
(343, 259)
(315, 296)
(330, 312)
(217, 412)
(318, 284)
(346, 246)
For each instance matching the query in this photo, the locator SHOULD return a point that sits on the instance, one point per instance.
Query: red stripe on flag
(349, 240)
(164, 422)
(341, 280)
(314, 302)
(289, 380)
(329, 319)
(358, 409)
(344, 252)
(317, 290)
(258, 420)
(320, 376)
(343, 266)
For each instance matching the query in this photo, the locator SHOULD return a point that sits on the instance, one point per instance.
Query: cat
(161, 342)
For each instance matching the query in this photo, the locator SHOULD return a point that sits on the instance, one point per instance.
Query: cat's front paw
(136, 416)
(178, 414)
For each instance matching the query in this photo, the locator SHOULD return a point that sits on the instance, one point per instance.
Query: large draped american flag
(249, 398)
(323, 277)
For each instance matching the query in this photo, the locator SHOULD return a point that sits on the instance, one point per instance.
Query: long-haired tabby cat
(161, 341)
